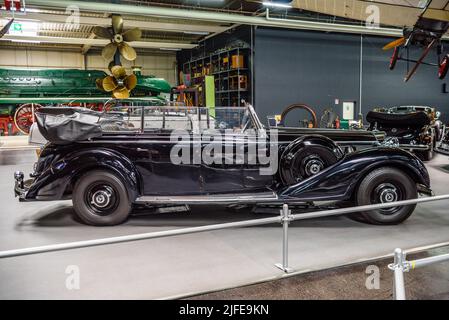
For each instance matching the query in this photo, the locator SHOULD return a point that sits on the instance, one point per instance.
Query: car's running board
(266, 197)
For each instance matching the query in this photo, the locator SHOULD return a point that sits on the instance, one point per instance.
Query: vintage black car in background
(416, 128)
(107, 165)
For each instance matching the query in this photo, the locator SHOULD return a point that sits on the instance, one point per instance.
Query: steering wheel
(299, 106)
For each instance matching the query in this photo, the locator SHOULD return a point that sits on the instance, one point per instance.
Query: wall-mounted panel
(316, 68)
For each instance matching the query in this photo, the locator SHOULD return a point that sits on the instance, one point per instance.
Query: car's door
(257, 172)
(232, 171)
(164, 158)
(221, 170)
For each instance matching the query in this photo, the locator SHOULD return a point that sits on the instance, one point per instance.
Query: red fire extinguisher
(337, 123)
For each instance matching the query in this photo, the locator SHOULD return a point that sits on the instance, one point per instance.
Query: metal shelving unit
(231, 84)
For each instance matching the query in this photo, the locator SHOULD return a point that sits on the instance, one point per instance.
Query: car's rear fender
(59, 178)
(339, 181)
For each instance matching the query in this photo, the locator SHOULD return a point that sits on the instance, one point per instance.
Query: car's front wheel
(386, 185)
(100, 199)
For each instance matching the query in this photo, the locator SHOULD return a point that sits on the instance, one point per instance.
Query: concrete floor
(348, 283)
(190, 264)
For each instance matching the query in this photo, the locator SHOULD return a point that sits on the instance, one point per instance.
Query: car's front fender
(339, 181)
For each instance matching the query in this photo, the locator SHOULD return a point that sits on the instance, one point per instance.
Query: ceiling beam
(98, 42)
(106, 22)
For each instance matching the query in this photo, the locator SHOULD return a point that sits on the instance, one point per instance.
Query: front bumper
(21, 186)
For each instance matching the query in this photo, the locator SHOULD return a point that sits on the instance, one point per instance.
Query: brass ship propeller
(118, 38)
(120, 84)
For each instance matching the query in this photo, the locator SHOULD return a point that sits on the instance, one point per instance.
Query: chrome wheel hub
(101, 198)
(313, 167)
(387, 193)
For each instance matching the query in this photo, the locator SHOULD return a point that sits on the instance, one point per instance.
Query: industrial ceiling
(181, 24)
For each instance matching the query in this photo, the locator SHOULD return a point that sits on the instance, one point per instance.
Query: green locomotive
(22, 91)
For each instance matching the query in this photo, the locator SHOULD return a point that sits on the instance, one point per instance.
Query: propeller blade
(102, 32)
(109, 84)
(120, 93)
(132, 35)
(99, 83)
(117, 23)
(109, 51)
(130, 82)
(394, 44)
(127, 51)
(5, 29)
(118, 72)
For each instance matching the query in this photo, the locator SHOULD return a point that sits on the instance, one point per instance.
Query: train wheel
(24, 116)
(444, 67)
(394, 58)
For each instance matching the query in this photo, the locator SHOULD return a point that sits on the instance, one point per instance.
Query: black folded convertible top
(65, 125)
(414, 119)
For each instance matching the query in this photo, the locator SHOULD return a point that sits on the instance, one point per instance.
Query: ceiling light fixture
(171, 49)
(277, 4)
(25, 41)
(201, 33)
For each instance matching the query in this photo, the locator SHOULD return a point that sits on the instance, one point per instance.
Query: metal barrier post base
(286, 218)
(285, 269)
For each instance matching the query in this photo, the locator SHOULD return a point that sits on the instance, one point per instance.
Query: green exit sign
(24, 28)
(17, 27)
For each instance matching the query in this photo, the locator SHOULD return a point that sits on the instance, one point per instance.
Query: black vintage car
(162, 155)
(415, 128)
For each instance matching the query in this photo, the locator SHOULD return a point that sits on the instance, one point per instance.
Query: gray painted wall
(316, 68)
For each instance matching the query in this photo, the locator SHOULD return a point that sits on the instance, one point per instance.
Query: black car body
(414, 128)
(106, 173)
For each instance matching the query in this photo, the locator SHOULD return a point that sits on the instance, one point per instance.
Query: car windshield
(196, 119)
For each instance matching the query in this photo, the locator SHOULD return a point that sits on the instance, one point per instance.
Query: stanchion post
(286, 218)
(398, 268)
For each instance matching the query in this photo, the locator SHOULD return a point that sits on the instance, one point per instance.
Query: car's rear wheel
(386, 185)
(100, 199)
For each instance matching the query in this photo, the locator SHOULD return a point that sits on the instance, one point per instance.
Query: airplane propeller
(394, 44)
